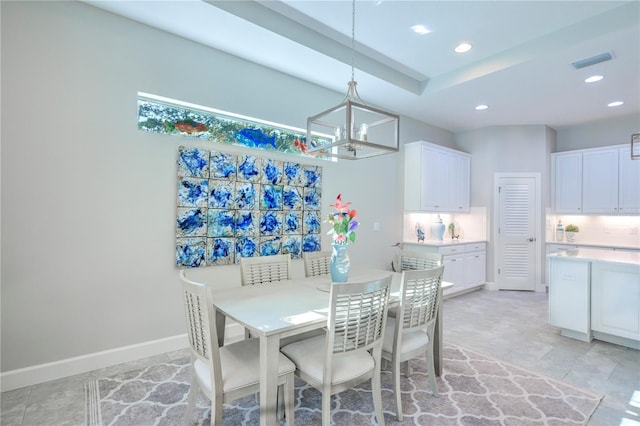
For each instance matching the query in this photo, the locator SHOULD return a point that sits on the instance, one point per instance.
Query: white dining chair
(229, 372)
(406, 260)
(349, 352)
(411, 333)
(265, 269)
(317, 263)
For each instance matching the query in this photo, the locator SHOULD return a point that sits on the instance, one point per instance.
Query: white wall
(613, 131)
(88, 201)
(501, 149)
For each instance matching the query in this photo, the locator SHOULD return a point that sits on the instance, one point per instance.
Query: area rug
(474, 390)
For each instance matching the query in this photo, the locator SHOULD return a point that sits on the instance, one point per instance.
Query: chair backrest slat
(357, 314)
(421, 294)
(409, 261)
(317, 263)
(265, 269)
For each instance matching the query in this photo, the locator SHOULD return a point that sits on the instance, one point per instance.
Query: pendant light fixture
(353, 130)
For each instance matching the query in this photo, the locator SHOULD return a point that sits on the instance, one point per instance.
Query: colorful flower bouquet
(343, 222)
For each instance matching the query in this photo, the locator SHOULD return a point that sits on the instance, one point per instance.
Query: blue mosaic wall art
(231, 206)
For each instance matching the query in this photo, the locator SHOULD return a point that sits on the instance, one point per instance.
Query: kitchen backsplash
(470, 226)
(609, 230)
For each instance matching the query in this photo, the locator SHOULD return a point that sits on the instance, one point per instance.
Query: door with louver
(516, 245)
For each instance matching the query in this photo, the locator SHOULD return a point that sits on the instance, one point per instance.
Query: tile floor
(510, 326)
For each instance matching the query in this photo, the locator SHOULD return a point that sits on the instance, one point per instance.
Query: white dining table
(287, 308)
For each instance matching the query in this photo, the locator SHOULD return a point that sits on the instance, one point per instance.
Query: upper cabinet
(596, 181)
(436, 179)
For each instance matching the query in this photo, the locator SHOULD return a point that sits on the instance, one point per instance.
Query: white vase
(571, 236)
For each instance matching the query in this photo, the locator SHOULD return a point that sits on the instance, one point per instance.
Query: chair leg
(376, 388)
(431, 370)
(193, 393)
(395, 373)
(407, 369)
(326, 408)
(289, 400)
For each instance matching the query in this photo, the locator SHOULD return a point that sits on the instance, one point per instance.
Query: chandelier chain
(353, 37)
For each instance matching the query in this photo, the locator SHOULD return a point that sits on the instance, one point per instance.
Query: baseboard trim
(33, 375)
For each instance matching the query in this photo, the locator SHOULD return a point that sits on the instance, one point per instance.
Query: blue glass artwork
(246, 195)
(221, 195)
(202, 123)
(247, 223)
(292, 223)
(312, 176)
(270, 197)
(246, 247)
(312, 199)
(191, 222)
(269, 246)
(291, 199)
(292, 244)
(220, 223)
(192, 192)
(311, 222)
(271, 171)
(190, 252)
(311, 243)
(228, 206)
(248, 169)
(223, 165)
(292, 174)
(270, 222)
(193, 162)
(220, 251)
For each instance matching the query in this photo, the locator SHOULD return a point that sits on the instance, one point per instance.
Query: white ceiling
(520, 64)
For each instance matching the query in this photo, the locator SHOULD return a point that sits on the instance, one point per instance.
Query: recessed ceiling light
(615, 104)
(481, 107)
(420, 29)
(463, 47)
(593, 79)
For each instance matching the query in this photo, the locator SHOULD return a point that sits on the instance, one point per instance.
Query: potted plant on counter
(571, 231)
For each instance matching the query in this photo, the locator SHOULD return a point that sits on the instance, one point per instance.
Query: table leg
(220, 324)
(269, 358)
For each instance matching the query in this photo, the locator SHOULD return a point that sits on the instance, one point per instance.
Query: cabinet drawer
(475, 247)
(445, 251)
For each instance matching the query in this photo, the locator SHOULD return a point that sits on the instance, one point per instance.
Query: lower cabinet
(615, 300)
(465, 265)
(569, 298)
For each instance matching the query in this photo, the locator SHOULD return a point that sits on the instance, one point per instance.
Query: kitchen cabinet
(464, 264)
(596, 294)
(596, 181)
(629, 183)
(569, 297)
(567, 169)
(437, 179)
(615, 300)
(600, 181)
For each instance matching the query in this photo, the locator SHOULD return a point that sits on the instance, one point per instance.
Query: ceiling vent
(587, 62)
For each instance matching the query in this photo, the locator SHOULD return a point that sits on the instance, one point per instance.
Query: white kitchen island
(596, 294)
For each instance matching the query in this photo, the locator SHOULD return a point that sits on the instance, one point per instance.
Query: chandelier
(352, 129)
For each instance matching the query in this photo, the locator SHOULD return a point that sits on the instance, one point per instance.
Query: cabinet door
(454, 271)
(434, 179)
(569, 301)
(615, 299)
(600, 181)
(628, 183)
(458, 183)
(475, 268)
(568, 183)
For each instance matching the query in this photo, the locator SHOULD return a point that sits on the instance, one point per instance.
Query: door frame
(539, 236)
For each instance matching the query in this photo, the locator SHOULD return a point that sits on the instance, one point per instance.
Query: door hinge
(498, 271)
(499, 189)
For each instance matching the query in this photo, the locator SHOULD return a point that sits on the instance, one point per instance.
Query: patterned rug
(474, 390)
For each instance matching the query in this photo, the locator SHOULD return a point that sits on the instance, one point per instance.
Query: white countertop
(594, 245)
(445, 242)
(595, 255)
